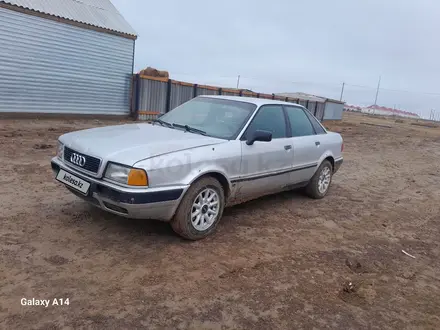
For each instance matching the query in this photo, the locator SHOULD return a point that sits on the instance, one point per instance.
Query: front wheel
(318, 186)
(200, 209)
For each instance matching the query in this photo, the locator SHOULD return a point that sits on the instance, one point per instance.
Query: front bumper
(137, 203)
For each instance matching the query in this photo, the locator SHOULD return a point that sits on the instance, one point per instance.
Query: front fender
(183, 168)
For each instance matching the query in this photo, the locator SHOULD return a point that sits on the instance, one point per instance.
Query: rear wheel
(200, 209)
(319, 185)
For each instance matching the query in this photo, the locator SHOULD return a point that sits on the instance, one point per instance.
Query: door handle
(317, 143)
(287, 147)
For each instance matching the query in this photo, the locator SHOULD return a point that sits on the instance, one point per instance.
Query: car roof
(253, 100)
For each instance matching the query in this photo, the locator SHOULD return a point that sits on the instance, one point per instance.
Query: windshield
(216, 117)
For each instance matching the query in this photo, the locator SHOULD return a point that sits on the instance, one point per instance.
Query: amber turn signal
(137, 177)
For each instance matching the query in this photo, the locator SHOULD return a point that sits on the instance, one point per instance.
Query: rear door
(266, 166)
(306, 141)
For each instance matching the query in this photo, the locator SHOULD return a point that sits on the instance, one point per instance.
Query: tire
(182, 222)
(313, 187)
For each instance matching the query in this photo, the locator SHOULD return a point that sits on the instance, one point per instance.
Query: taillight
(342, 147)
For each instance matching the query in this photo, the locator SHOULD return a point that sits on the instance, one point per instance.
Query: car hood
(130, 143)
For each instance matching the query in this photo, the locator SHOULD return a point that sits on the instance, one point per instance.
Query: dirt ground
(281, 262)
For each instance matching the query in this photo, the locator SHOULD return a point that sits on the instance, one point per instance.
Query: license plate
(73, 181)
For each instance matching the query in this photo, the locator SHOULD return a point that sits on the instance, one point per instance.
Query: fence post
(195, 90)
(132, 95)
(307, 104)
(168, 102)
(137, 96)
(220, 91)
(316, 109)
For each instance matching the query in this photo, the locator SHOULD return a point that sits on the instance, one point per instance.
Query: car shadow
(260, 203)
(162, 232)
(134, 227)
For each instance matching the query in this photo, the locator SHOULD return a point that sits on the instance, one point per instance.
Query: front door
(266, 166)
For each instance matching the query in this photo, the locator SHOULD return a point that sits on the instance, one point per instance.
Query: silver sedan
(206, 154)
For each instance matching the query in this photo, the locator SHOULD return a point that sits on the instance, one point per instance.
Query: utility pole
(377, 92)
(238, 81)
(342, 91)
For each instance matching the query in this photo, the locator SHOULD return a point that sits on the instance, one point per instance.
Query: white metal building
(333, 109)
(65, 56)
(328, 109)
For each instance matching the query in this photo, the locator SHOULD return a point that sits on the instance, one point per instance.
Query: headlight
(60, 150)
(126, 175)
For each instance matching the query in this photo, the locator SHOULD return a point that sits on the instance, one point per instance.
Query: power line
(361, 86)
(234, 78)
(407, 91)
(201, 75)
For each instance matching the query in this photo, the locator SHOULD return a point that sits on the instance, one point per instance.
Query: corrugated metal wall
(303, 103)
(311, 106)
(206, 91)
(180, 94)
(320, 111)
(333, 111)
(153, 95)
(230, 93)
(47, 66)
(293, 101)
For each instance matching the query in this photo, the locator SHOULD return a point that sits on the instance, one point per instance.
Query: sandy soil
(281, 262)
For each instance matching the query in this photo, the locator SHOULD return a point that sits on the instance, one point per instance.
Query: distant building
(384, 111)
(379, 110)
(65, 56)
(323, 108)
(354, 108)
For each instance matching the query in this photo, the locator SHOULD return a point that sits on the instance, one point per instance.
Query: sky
(310, 46)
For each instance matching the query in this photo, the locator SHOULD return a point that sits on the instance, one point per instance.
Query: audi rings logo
(78, 160)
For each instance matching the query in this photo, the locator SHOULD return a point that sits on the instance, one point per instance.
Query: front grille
(91, 164)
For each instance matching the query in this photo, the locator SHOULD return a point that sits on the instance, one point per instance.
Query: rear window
(318, 128)
(299, 123)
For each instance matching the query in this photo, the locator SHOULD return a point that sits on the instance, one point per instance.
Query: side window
(318, 128)
(299, 122)
(269, 118)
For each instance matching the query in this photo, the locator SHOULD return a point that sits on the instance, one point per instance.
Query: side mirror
(259, 135)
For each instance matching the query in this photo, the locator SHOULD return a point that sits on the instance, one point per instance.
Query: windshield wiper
(186, 127)
(163, 123)
(190, 129)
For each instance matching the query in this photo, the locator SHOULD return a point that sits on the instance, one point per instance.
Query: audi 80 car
(208, 153)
